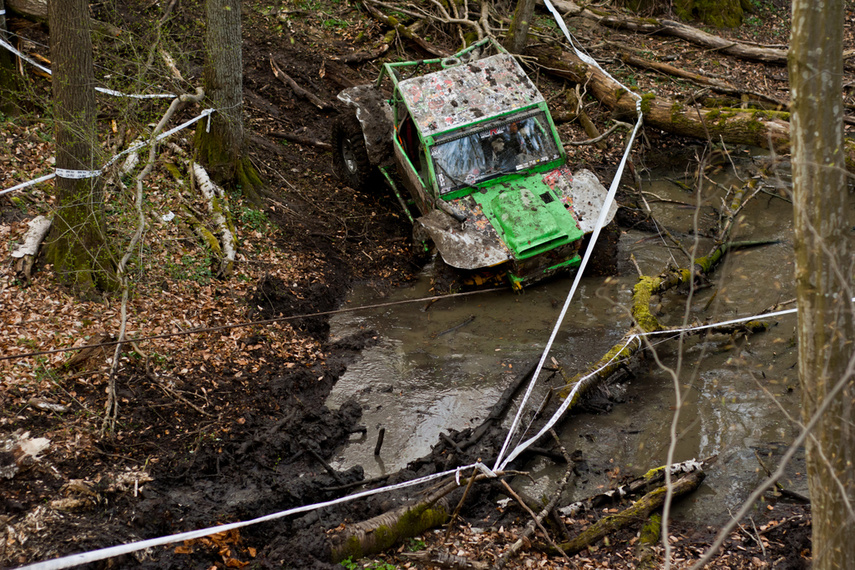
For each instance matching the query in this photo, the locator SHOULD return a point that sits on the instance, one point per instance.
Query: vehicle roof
(468, 92)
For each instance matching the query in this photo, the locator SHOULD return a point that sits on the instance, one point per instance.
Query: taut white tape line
(28, 183)
(115, 93)
(87, 557)
(26, 58)
(636, 337)
(595, 234)
(104, 90)
(77, 174)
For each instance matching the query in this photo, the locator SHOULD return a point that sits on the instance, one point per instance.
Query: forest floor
(229, 423)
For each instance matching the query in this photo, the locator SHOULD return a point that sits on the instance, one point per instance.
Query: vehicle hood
(529, 216)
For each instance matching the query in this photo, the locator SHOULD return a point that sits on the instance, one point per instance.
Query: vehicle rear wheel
(350, 158)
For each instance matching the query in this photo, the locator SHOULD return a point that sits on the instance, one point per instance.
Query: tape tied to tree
(77, 174)
(104, 90)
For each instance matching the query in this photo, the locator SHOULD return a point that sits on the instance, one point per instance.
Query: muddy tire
(350, 158)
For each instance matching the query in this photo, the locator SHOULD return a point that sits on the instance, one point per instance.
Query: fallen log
(404, 31)
(680, 30)
(766, 129)
(652, 479)
(383, 531)
(299, 91)
(25, 254)
(300, 140)
(217, 203)
(362, 56)
(638, 511)
(38, 10)
(715, 84)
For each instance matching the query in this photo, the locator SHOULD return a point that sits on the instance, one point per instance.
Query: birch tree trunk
(824, 269)
(76, 245)
(221, 148)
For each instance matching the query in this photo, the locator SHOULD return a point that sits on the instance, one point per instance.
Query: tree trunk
(221, 148)
(76, 244)
(824, 266)
(517, 35)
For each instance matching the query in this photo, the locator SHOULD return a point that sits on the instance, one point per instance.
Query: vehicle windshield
(502, 147)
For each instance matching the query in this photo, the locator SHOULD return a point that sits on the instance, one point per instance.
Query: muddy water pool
(441, 367)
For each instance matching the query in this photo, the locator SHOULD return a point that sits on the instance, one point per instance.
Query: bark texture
(824, 266)
(221, 147)
(76, 245)
(517, 35)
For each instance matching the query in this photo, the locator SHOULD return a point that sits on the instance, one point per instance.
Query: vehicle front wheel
(350, 158)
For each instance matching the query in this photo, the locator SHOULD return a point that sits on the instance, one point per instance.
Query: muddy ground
(255, 443)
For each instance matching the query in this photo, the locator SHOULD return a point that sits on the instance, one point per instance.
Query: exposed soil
(224, 426)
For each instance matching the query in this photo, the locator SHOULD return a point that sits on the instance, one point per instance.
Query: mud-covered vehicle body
(474, 145)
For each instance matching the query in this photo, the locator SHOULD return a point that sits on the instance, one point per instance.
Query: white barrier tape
(77, 174)
(26, 58)
(95, 555)
(112, 92)
(2, 12)
(115, 93)
(27, 183)
(595, 234)
(636, 337)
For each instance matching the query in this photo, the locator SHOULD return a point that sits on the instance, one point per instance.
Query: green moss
(646, 101)
(411, 523)
(718, 13)
(641, 294)
(226, 169)
(651, 530)
(76, 244)
(173, 169)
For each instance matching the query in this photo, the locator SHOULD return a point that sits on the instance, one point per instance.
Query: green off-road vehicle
(472, 141)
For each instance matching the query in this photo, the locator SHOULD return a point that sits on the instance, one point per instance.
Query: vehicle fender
(585, 195)
(375, 116)
(463, 245)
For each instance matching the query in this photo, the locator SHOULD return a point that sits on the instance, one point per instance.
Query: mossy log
(384, 531)
(637, 512)
(654, 478)
(218, 208)
(753, 127)
(645, 322)
(691, 34)
(206, 236)
(766, 129)
(648, 538)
